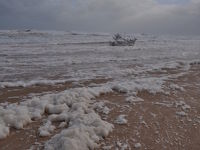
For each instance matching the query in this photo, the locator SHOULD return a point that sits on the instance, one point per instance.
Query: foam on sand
(121, 120)
(151, 84)
(71, 107)
(30, 83)
(132, 99)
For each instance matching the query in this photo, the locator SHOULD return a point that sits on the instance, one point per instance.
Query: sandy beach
(154, 121)
(99, 75)
(61, 91)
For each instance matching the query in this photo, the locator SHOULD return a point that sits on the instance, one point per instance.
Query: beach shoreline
(152, 120)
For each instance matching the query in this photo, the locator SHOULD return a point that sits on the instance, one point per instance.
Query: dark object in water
(28, 30)
(120, 41)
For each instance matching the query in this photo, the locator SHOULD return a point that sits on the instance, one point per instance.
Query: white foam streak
(30, 83)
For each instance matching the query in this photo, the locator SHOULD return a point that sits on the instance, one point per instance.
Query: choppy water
(46, 57)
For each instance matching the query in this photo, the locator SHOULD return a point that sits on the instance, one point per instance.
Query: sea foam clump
(72, 107)
(4, 131)
(121, 120)
(83, 133)
(153, 85)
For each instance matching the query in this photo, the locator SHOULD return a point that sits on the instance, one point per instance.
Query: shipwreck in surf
(118, 40)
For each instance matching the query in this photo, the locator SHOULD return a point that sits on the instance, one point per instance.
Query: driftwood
(120, 41)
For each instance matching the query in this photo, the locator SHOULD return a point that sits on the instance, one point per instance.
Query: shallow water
(47, 57)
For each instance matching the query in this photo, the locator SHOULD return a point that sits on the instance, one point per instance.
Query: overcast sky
(135, 16)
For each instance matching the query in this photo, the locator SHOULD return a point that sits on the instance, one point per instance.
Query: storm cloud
(148, 16)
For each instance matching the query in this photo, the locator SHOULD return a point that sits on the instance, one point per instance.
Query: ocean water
(48, 57)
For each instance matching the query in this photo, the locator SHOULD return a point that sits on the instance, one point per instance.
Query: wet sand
(154, 123)
(17, 94)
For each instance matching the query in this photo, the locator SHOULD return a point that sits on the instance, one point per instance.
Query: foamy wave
(30, 83)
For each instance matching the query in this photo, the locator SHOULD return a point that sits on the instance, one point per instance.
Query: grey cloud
(101, 15)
